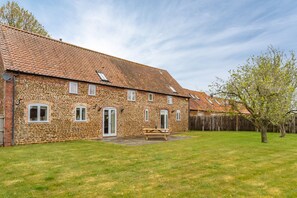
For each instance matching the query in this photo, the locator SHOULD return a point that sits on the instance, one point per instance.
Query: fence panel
(1, 129)
(233, 123)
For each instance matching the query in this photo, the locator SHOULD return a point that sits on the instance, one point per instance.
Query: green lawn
(210, 164)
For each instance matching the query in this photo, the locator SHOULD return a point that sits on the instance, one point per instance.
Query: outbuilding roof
(27, 52)
(200, 101)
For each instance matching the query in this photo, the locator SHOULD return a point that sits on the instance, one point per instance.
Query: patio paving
(136, 141)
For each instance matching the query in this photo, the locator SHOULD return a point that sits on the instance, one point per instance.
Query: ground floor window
(178, 118)
(146, 115)
(80, 113)
(38, 113)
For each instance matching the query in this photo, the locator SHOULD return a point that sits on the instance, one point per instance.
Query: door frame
(167, 120)
(103, 124)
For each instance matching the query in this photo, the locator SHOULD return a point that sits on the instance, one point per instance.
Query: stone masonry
(62, 125)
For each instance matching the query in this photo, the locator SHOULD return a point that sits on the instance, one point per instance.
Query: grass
(210, 164)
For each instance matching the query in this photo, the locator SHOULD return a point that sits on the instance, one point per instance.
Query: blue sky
(196, 41)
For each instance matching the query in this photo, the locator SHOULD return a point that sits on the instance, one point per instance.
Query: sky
(196, 41)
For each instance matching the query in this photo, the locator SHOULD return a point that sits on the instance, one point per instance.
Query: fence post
(294, 124)
(236, 122)
(203, 123)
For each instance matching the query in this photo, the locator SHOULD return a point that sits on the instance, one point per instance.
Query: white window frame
(151, 94)
(38, 113)
(146, 115)
(169, 100)
(80, 111)
(178, 116)
(71, 89)
(102, 76)
(218, 102)
(130, 95)
(172, 89)
(90, 90)
(210, 102)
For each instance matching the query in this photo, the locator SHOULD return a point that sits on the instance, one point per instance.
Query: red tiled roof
(31, 53)
(210, 104)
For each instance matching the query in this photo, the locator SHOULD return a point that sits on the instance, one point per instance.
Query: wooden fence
(232, 123)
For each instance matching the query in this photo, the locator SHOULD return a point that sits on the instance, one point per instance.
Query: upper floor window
(38, 113)
(92, 90)
(146, 115)
(178, 118)
(131, 95)
(169, 100)
(150, 97)
(73, 87)
(80, 113)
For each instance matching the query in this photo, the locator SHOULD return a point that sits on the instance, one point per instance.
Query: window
(146, 115)
(131, 95)
(209, 101)
(192, 96)
(38, 113)
(102, 76)
(80, 113)
(92, 90)
(150, 97)
(172, 89)
(178, 115)
(169, 100)
(73, 87)
(217, 102)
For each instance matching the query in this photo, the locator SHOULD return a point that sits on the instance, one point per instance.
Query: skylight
(173, 89)
(217, 101)
(102, 76)
(197, 97)
(209, 101)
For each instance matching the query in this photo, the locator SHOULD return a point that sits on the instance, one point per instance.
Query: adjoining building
(54, 91)
(202, 104)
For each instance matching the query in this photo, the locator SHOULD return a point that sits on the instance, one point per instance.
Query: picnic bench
(155, 132)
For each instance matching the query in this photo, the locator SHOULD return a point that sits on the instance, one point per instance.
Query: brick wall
(1, 86)
(8, 113)
(61, 126)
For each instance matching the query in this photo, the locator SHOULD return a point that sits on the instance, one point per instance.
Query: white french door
(109, 122)
(164, 119)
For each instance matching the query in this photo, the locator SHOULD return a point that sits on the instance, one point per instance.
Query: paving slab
(136, 141)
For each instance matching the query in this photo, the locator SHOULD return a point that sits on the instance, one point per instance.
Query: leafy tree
(265, 86)
(13, 15)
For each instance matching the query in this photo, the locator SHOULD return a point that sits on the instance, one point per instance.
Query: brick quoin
(8, 113)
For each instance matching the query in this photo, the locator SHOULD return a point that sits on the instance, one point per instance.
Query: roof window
(209, 101)
(102, 76)
(218, 102)
(174, 91)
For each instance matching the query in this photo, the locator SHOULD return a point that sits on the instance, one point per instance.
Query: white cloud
(194, 40)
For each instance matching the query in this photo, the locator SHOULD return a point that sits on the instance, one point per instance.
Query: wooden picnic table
(155, 132)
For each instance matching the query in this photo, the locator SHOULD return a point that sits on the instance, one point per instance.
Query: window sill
(38, 122)
(80, 120)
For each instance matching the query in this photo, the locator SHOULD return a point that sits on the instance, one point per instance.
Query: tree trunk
(264, 134)
(282, 130)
